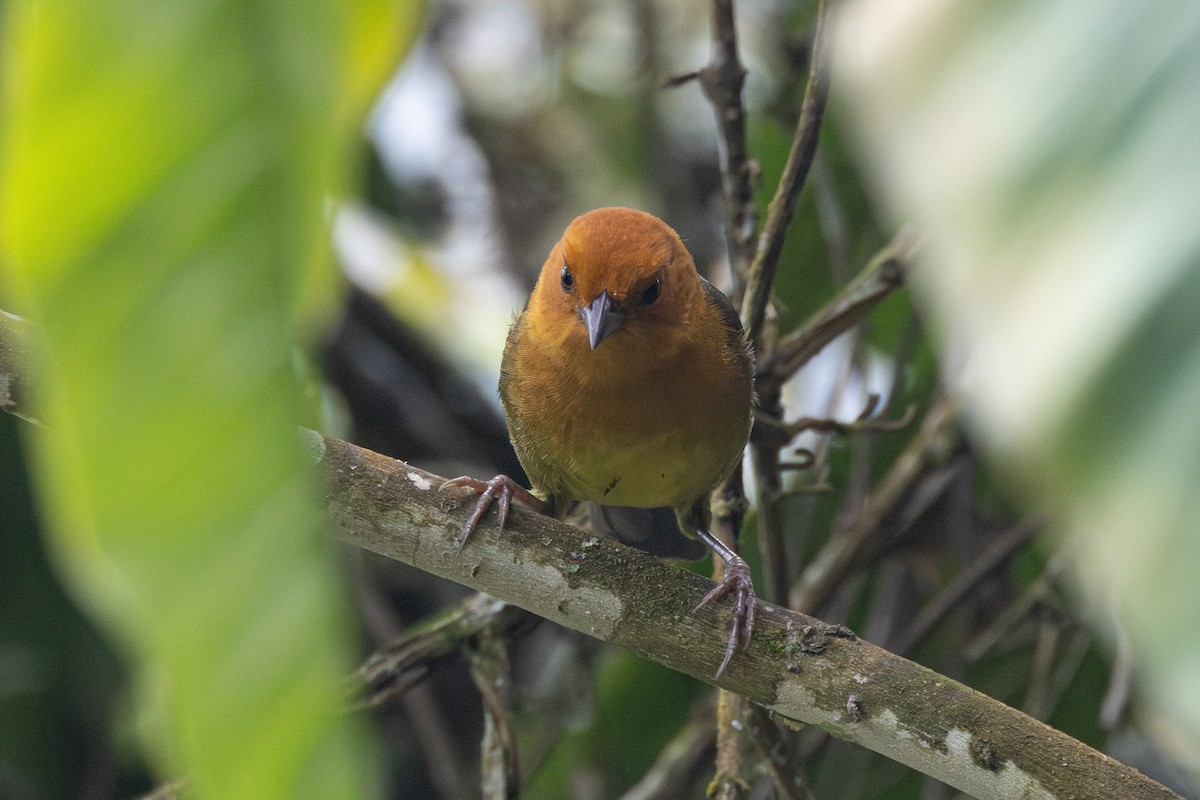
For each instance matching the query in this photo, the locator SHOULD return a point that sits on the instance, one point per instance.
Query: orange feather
(658, 413)
(628, 382)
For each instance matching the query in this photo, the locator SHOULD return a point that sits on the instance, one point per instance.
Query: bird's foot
(500, 489)
(737, 583)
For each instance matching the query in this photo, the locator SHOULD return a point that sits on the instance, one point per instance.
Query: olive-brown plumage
(627, 382)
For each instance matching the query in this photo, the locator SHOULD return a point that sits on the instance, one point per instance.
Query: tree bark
(796, 666)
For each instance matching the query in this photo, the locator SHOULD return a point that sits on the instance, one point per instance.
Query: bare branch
(840, 552)
(392, 671)
(882, 275)
(487, 657)
(864, 422)
(729, 782)
(997, 553)
(779, 755)
(761, 276)
(764, 455)
(1033, 597)
(722, 80)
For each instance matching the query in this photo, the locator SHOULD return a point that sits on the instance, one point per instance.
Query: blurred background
(504, 120)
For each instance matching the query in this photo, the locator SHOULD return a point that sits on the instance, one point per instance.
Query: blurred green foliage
(164, 170)
(1052, 163)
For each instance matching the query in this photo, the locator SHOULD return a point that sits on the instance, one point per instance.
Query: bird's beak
(601, 318)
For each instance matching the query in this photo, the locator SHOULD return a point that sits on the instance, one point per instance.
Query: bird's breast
(643, 427)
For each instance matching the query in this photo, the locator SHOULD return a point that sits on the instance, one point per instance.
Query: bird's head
(616, 268)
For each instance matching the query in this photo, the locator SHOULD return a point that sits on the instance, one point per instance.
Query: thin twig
(778, 754)
(761, 276)
(729, 782)
(765, 449)
(721, 80)
(985, 640)
(884, 273)
(420, 712)
(487, 657)
(768, 481)
(864, 422)
(841, 551)
(969, 579)
(392, 671)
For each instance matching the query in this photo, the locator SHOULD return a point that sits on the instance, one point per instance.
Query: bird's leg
(738, 583)
(501, 489)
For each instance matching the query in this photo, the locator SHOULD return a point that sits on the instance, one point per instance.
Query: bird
(627, 381)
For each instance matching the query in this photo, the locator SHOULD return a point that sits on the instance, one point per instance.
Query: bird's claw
(736, 582)
(499, 489)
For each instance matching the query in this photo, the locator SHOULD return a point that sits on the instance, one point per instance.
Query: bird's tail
(654, 530)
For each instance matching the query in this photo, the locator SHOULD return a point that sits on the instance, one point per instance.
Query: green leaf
(1049, 151)
(164, 168)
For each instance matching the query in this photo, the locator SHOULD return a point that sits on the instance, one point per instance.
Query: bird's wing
(729, 314)
(733, 323)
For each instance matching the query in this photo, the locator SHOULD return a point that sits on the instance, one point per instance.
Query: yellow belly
(646, 440)
(663, 470)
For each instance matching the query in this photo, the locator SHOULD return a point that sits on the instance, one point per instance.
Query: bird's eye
(568, 282)
(651, 293)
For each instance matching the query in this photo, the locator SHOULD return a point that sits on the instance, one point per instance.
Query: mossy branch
(796, 666)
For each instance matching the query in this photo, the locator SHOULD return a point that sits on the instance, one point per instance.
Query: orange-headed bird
(628, 381)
